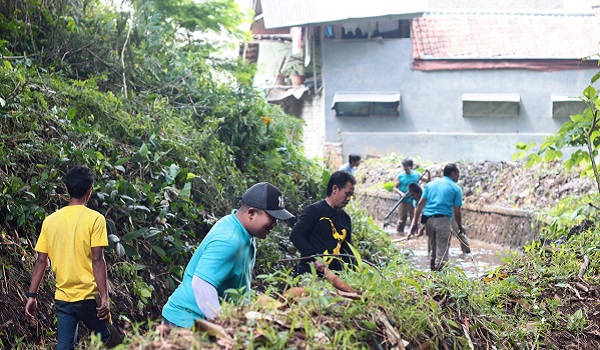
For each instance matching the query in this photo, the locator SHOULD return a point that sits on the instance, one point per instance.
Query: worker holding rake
(441, 198)
(405, 178)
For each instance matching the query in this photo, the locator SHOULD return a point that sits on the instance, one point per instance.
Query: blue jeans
(69, 314)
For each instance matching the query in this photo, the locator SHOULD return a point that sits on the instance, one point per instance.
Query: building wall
(314, 129)
(431, 124)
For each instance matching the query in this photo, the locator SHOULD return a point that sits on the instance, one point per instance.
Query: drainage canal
(484, 256)
(493, 232)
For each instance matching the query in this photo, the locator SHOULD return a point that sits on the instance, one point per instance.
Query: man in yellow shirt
(73, 239)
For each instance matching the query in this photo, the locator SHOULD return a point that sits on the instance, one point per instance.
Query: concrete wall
(431, 124)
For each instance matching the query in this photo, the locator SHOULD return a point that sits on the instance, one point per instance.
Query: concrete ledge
(499, 210)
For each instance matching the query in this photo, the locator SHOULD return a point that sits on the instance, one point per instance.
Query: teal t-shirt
(347, 168)
(442, 195)
(225, 259)
(405, 180)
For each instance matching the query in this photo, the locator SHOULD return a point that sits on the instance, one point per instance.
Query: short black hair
(450, 168)
(353, 158)
(79, 180)
(407, 162)
(339, 178)
(414, 187)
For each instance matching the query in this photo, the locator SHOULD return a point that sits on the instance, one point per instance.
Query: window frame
(493, 105)
(564, 99)
(374, 102)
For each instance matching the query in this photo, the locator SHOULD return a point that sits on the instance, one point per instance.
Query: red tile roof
(505, 36)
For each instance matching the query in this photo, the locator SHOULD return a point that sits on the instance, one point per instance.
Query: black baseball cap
(269, 198)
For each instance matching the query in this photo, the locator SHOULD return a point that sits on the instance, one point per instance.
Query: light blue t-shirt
(405, 180)
(225, 259)
(442, 194)
(346, 167)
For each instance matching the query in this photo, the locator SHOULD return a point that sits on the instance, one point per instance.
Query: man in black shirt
(324, 227)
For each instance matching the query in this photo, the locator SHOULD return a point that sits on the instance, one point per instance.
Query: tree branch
(123, 59)
(334, 255)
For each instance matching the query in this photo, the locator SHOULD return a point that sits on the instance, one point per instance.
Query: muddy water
(484, 256)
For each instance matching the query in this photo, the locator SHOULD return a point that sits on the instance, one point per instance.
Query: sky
(571, 5)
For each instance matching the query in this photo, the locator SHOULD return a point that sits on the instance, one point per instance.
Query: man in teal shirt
(440, 199)
(225, 258)
(405, 178)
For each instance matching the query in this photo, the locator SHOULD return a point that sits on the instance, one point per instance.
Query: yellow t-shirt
(68, 236)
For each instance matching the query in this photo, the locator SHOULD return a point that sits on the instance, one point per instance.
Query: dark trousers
(69, 314)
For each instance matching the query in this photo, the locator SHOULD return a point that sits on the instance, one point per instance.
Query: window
(491, 105)
(566, 105)
(365, 104)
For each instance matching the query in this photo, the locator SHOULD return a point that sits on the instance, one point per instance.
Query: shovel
(115, 338)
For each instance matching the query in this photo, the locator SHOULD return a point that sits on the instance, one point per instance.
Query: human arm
(458, 219)
(302, 231)
(397, 187)
(207, 297)
(417, 214)
(426, 176)
(36, 278)
(99, 270)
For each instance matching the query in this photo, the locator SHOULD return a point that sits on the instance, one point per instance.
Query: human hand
(30, 308)
(319, 265)
(103, 310)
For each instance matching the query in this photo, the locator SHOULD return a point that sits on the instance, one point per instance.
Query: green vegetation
(175, 132)
(582, 133)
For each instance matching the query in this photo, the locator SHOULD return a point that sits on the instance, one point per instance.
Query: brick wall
(314, 129)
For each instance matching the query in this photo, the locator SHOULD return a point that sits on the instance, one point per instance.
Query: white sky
(576, 5)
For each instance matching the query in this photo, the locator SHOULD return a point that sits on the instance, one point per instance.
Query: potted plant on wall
(295, 71)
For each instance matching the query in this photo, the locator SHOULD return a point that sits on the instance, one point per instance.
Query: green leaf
(134, 234)
(120, 249)
(158, 250)
(589, 92)
(122, 161)
(143, 150)
(71, 112)
(356, 254)
(186, 191)
(145, 293)
(595, 78)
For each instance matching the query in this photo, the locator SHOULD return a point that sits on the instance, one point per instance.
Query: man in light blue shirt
(405, 178)
(440, 198)
(353, 163)
(225, 258)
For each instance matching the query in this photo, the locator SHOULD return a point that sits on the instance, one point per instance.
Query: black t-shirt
(322, 229)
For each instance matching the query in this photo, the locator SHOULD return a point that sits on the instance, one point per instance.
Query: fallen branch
(584, 266)
(581, 287)
(337, 282)
(334, 255)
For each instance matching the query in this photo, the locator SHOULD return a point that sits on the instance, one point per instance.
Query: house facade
(442, 85)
